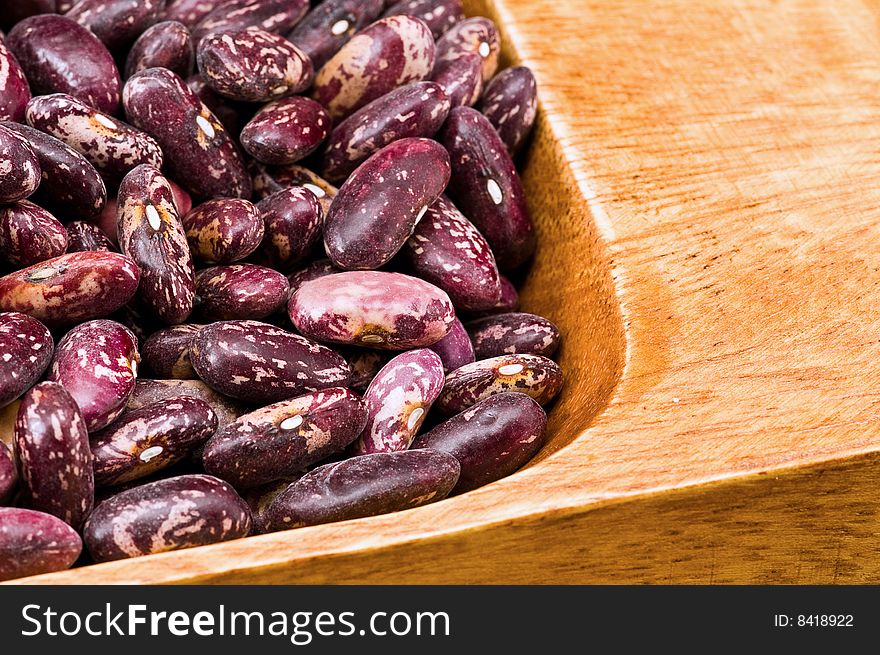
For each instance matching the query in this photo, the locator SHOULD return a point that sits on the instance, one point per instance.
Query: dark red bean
(32, 543)
(224, 230)
(240, 291)
(515, 333)
(165, 354)
(472, 35)
(117, 22)
(329, 26)
(166, 45)
(461, 78)
(26, 349)
(292, 219)
(29, 234)
(14, 89)
(286, 131)
(490, 440)
(20, 166)
(59, 55)
(276, 16)
(439, 15)
(510, 102)
(52, 449)
(83, 237)
(455, 349)
(8, 474)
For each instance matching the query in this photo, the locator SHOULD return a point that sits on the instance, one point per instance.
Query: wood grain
(705, 179)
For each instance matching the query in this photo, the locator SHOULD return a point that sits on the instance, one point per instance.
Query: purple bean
(165, 354)
(20, 166)
(26, 349)
(224, 230)
(29, 234)
(455, 349)
(510, 102)
(32, 543)
(166, 45)
(240, 291)
(329, 26)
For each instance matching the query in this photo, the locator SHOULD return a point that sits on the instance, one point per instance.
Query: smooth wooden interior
(705, 179)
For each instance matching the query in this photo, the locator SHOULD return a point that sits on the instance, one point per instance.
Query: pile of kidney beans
(246, 247)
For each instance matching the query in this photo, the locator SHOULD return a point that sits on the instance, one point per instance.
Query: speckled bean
(8, 474)
(151, 234)
(278, 440)
(533, 375)
(253, 65)
(510, 102)
(513, 333)
(111, 146)
(170, 514)
(439, 15)
(19, 166)
(509, 301)
(398, 399)
(293, 220)
(461, 78)
(269, 180)
(313, 271)
(147, 392)
(329, 26)
(52, 449)
(478, 35)
(14, 89)
(415, 110)
(190, 12)
(29, 234)
(198, 151)
(117, 23)
(74, 287)
(26, 348)
(32, 543)
(491, 440)
(58, 55)
(364, 486)
(455, 349)
(165, 354)
(389, 311)
(448, 251)
(224, 230)
(381, 203)
(151, 439)
(487, 188)
(69, 186)
(365, 364)
(239, 291)
(97, 363)
(84, 237)
(275, 16)
(389, 53)
(286, 130)
(260, 363)
(165, 45)
(259, 498)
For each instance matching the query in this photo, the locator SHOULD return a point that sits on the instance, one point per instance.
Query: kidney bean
(32, 543)
(52, 449)
(151, 438)
(381, 203)
(398, 399)
(365, 364)
(20, 166)
(58, 55)
(514, 333)
(286, 130)
(224, 230)
(165, 45)
(415, 110)
(275, 16)
(491, 440)
(269, 180)
(313, 271)
(509, 301)
(240, 291)
(461, 78)
(14, 89)
(455, 349)
(510, 102)
(8, 474)
(260, 363)
(96, 362)
(165, 354)
(259, 498)
(117, 23)
(29, 234)
(74, 287)
(448, 251)
(487, 187)
(110, 145)
(26, 348)
(329, 26)
(281, 439)
(367, 485)
(389, 311)
(190, 12)
(293, 220)
(84, 237)
(478, 35)
(253, 65)
(389, 53)
(147, 392)
(170, 514)
(198, 151)
(151, 234)
(69, 184)
(533, 375)
(439, 15)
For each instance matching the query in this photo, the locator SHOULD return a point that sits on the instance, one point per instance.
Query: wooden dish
(706, 182)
